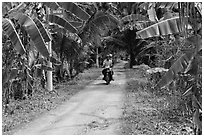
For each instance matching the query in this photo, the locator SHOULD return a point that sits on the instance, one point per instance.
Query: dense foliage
(159, 34)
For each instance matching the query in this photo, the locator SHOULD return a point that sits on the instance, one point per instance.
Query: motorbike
(107, 76)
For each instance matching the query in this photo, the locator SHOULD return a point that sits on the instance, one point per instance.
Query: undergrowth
(150, 112)
(20, 112)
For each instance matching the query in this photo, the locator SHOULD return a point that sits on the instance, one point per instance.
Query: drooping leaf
(42, 30)
(33, 32)
(52, 5)
(9, 29)
(62, 22)
(179, 66)
(75, 9)
(165, 27)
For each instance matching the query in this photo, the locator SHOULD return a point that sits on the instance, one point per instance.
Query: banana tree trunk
(49, 73)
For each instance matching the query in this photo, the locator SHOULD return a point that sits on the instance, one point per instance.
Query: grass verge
(145, 112)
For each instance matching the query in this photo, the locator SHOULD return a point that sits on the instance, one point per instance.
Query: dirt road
(95, 110)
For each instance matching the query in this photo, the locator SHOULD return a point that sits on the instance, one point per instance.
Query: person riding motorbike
(107, 64)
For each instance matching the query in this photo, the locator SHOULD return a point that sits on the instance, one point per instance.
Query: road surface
(95, 110)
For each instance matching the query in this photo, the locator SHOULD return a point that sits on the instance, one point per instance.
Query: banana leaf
(76, 10)
(165, 27)
(62, 22)
(9, 29)
(33, 32)
(70, 17)
(179, 66)
(76, 24)
(42, 30)
(185, 63)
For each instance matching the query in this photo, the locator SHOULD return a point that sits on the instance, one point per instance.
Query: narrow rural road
(96, 110)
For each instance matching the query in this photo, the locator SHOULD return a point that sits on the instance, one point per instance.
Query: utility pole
(49, 73)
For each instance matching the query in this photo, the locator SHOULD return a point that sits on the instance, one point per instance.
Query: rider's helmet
(110, 55)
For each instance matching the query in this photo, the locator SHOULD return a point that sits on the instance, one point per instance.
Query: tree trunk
(132, 59)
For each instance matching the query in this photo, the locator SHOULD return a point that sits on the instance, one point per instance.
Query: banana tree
(187, 64)
(21, 31)
(132, 19)
(22, 20)
(93, 25)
